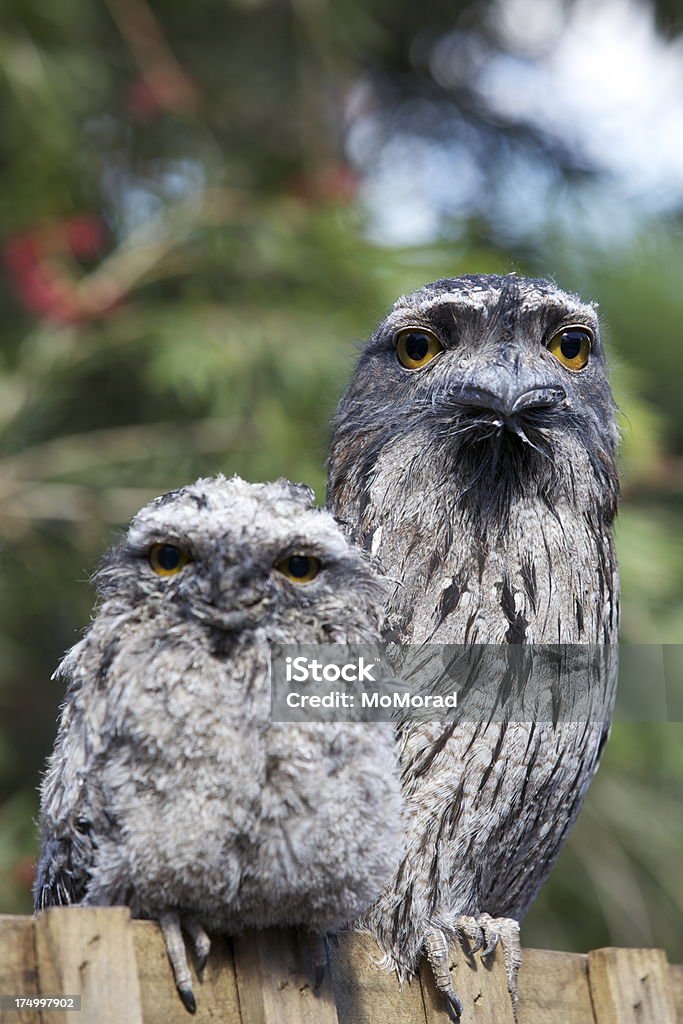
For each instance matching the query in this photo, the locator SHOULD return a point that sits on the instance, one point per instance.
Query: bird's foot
(201, 943)
(319, 953)
(436, 950)
(177, 954)
(486, 933)
(170, 923)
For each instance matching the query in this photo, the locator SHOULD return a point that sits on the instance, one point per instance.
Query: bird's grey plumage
(169, 788)
(485, 482)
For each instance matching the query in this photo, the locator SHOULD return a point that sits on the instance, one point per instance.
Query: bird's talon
(453, 1007)
(175, 948)
(189, 1001)
(470, 935)
(491, 945)
(436, 948)
(319, 953)
(319, 971)
(200, 964)
(201, 943)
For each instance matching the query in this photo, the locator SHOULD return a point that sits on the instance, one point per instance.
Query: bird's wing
(63, 868)
(72, 811)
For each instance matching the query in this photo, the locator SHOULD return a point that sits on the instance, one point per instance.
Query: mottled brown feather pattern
(170, 789)
(497, 530)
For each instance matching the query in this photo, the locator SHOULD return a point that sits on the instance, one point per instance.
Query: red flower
(42, 279)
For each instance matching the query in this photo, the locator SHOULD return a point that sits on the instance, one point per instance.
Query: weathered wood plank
(676, 976)
(18, 975)
(554, 987)
(482, 988)
(631, 986)
(364, 993)
(121, 971)
(216, 993)
(89, 952)
(275, 982)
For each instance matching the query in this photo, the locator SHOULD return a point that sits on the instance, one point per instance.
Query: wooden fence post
(120, 970)
(216, 993)
(275, 982)
(631, 986)
(18, 975)
(482, 988)
(89, 952)
(367, 995)
(554, 987)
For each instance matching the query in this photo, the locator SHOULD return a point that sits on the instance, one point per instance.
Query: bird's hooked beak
(506, 394)
(229, 604)
(226, 621)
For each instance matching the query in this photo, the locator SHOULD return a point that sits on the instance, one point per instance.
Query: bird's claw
(319, 971)
(480, 933)
(470, 934)
(177, 954)
(486, 933)
(491, 944)
(187, 996)
(436, 949)
(319, 952)
(453, 1007)
(201, 943)
(490, 933)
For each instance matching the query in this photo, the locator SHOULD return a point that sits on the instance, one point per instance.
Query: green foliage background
(213, 326)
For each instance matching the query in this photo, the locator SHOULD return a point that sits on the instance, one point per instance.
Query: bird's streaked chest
(550, 577)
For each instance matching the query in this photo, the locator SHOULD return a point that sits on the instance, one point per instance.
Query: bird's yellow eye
(415, 347)
(572, 347)
(167, 559)
(299, 568)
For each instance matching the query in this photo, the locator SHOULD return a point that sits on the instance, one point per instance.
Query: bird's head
(235, 558)
(498, 384)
